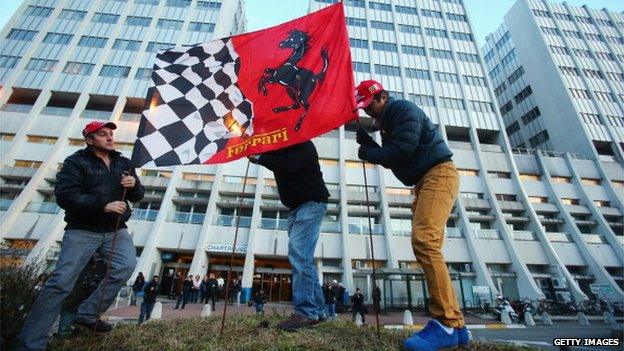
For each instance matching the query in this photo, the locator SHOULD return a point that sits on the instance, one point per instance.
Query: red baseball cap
(97, 125)
(365, 91)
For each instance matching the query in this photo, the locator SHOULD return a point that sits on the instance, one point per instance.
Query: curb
(469, 326)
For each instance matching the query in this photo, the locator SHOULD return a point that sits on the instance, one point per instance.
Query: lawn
(243, 333)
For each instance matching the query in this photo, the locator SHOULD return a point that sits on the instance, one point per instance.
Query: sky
(485, 15)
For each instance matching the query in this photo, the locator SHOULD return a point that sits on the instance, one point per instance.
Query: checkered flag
(194, 107)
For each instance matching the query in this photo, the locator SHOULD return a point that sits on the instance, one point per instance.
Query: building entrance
(274, 276)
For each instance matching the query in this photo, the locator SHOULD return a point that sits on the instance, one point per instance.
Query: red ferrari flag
(248, 94)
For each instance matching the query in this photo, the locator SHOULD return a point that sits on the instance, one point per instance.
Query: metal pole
(227, 286)
(370, 236)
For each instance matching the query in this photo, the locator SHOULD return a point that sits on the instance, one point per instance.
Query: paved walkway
(194, 310)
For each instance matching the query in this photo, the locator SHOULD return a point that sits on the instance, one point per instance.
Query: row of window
(576, 34)
(568, 17)
(402, 9)
(523, 94)
(531, 115)
(591, 73)
(539, 138)
(600, 95)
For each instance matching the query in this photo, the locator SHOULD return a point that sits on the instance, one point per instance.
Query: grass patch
(244, 333)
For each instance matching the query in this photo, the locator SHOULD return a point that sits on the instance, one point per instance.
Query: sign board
(166, 256)
(226, 248)
(481, 289)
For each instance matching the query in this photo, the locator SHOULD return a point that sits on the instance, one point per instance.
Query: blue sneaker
(463, 336)
(431, 338)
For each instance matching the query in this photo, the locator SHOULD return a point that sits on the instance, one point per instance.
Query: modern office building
(526, 224)
(557, 72)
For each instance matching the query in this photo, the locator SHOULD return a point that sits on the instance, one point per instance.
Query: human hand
(128, 181)
(118, 207)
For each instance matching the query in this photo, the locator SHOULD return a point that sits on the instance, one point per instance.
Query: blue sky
(486, 15)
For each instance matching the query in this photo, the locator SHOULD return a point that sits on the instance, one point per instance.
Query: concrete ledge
(469, 326)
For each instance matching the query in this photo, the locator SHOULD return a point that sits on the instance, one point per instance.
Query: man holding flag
(416, 153)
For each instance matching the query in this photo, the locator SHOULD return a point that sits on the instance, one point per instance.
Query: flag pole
(370, 236)
(238, 217)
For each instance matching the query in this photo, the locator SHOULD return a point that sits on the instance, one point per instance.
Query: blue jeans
(77, 248)
(259, 308)
(331, 310)
(304, 228)
(146, 311)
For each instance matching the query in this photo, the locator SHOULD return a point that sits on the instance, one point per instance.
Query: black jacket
(357, 299)
(260, 298)
(411, 144)
(187, 285)
(151, 291)
(85, 185)
(211, 287)
(297, 174)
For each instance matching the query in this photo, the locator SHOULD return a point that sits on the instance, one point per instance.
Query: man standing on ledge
(89, 188)
(302, 189)
(416, 153)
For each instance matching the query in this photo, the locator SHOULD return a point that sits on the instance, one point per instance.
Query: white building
(557, 71)
(526, 224)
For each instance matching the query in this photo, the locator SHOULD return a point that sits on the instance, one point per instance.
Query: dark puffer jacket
(411, 144)
(85, 185)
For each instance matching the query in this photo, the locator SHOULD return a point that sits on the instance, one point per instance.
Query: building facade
(526, 224)
(557, 72)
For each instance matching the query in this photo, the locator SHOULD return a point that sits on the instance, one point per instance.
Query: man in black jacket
(150, 292)
(89, 188)
(302, 189)
(417, 154)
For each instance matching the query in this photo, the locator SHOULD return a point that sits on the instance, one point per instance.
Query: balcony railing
(185, 217)
(274, 224)
(486, 234)
(42, 207)
(523, 235)
(140, 214)
(229, 221)
(331, 227)
(593, 238)
(24, 108)
(5, 204)
(95, 114)
(452, 233)
(57, 111)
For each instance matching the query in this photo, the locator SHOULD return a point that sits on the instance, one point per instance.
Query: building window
(456, 17)
(209, 5)
(504, 39)
(528, 176)
(470, 195)
(114, 71)
(169, 24)
(590, 181)
(93, 42)
(78, 68)
(531, 115)
(405, 9)
(512, 128)
(130, 45)
(538, 199)
(417, 73)
(57, 38)
(580, 93)
(379, 6)
(515, 75)
(446, 77)
(481, 106)
(422, 100)
(201, 27)
(27, 163)
(143, 73)
(466, 57)
(155, 173)
(405, 28)
(381, 46)
(153, 46)
(388, 70)
(382, 25)
(72, 15)
(539, 138)
(559, 179)
(356, 22)
(7, 61)
(461, 36)
(41, 65)
(362, 67)
(109, 18)
(500, 89)
(569, 201)
(499, 175)
(508, 58)
(523, 94)
(602, 203)
(443, 54)
(506, 108)
(179, 3)
(40, 139)
(7, 136)
(495, 71)
(505, 197)
(413, 50)
(21, 34)
(618, 183)
(198, 176)
(431, 13)
(398, 191)
(452, 103)
(438, 33)
(138, 21)
(468, 172)
(38, 11)
(330, 162)
(476, 81)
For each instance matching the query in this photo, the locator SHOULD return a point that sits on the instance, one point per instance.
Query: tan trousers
(434, 197)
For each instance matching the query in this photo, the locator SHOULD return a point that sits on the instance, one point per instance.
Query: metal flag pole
(372, 247)
(238, 217)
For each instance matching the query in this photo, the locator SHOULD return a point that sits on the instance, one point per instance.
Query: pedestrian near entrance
(357, 305)
(174, 290)
(417, 154)
(150, 292)
(211, 290)
(89, 187)
(330, 300)
(302, 189)
(185, 295)
(195, 289)
(136, 288)
(259, 301)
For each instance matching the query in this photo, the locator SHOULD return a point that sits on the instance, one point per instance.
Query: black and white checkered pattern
(195, 88)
